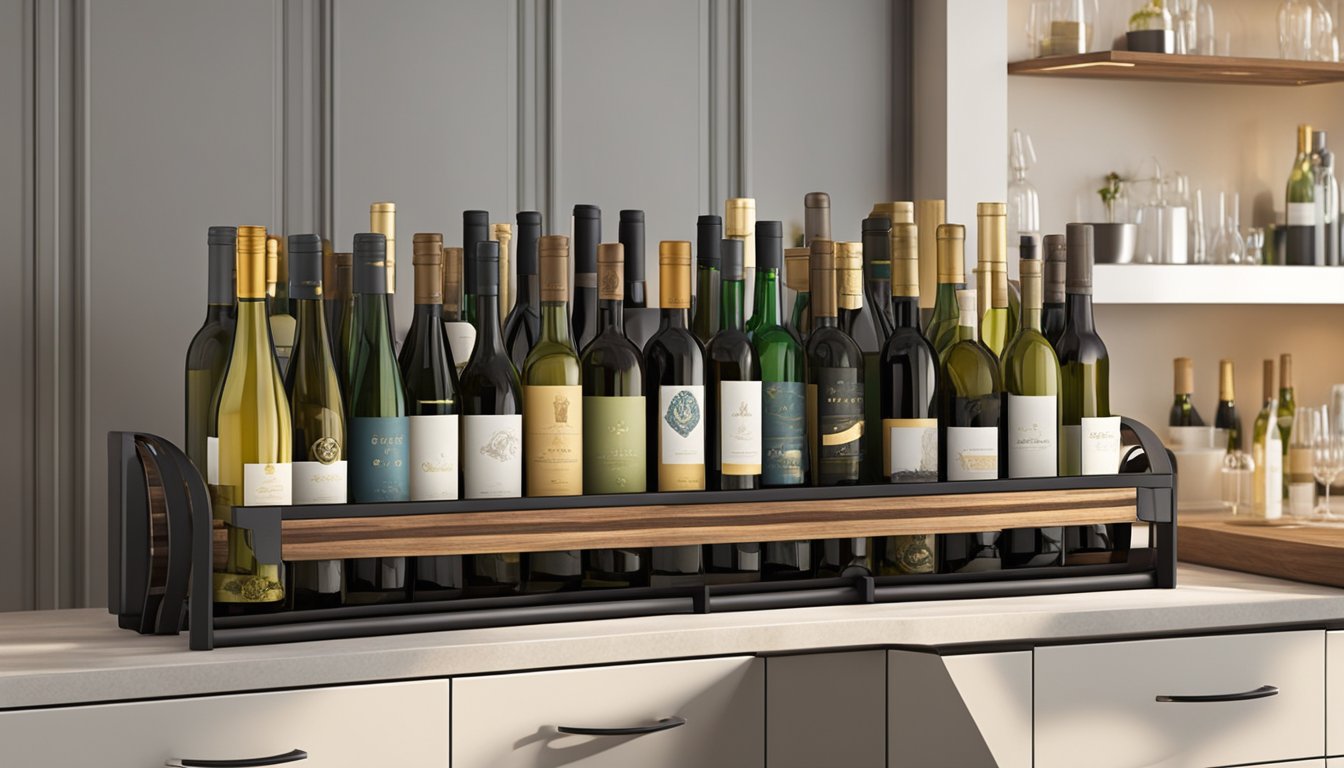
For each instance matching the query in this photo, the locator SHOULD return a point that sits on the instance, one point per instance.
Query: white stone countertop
(80, 656)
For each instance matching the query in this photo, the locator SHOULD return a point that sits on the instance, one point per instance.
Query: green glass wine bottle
(942, 328)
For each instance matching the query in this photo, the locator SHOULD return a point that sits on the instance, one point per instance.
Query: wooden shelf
(1216, 284)
(1297, 552)
(1132, 65)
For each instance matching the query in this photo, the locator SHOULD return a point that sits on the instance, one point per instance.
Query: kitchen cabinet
(826, 709)
(1334, 695)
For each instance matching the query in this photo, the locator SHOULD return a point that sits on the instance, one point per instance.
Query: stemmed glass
(1308, 424)
(1327, 460)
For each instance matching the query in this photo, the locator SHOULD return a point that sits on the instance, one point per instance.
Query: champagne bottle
(461, 335)
(1090, 435)
(858, 321)
(492, 427)
(1183, 412)
(383, 221)
(739, 223)
(674, 365)
(1052, 311)
(996, 324)
(318, 428)
(1031, 380)
(336, 298)
(208, 354)
(1226, 417)
(783, 398)
(1303, 207)
(277, 304)
(630, 232)
(502, 233)
(908, 396)
(522, 327)
(798, 276)
(255, 441)
(587, 227)
(1267, 452)
(942, 328)
(968, 423)
(614, 453)
(1287, 410)
(709, 279)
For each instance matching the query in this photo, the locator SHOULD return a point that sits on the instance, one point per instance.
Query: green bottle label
(783, 432)
(380, 459)
(614, 446)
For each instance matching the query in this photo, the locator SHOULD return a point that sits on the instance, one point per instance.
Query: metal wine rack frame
(162, 538)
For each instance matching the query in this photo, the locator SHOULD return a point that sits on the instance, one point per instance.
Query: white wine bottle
(1267, 452)
(208, 355)
(997, 325)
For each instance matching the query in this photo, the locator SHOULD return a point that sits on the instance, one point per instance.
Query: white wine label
(492, 456)
(461, 340)
(740, 427)
(1033, 435)
(553, 439)
(434, 458)
(912, 450)
(681, 424)
(212, 460)
(1302, 214)
(1100, 445)
(318, 483)
(972, 453)
(268, 485)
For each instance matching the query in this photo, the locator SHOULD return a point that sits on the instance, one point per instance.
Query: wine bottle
(336, 297)
(674, 367)
(614, 453)
(1287, 410)
(877, 249)
(587, 228)
(1052, 311)
(277, 301)
(318, 412)
(1267, 452)
(816, 218)
(345, 333)
(1090, 435)
(208, 354)
(1226, 417)
(857, 321)
(908, 396)
(739, 223)
(255, 441)
(929, 215)
(969, 406)
(630, 233)
(1327, 192)
(709, 279)
(996, 325)
(383, 221)
(783, 400)
(475, 229)
(1303, 209)
(942, 328)
(1031, 379)
(902, 212)
(522, 327)
(378, 427)
(798, 276)
(502, 233)
(1183, 412)
(461, 335)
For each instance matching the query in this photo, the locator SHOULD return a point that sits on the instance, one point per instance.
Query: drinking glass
(1327, 461)
(1296, 29)
(1308, 424)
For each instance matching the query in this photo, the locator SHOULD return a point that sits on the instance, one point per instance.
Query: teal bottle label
(783, 432)
(380, 459)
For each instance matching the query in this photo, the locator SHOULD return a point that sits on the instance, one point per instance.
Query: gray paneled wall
(133, 125)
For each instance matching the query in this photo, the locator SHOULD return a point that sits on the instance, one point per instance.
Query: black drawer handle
(1263, 692)
(666, 724)
(292, 756)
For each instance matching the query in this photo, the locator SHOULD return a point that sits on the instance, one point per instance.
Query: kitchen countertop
(80, 656)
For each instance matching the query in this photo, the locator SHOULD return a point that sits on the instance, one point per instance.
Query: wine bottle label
(318, 483)
(1300, 464)
(614, 449)
(1033, 435)
(911, 450)
(1302, 214)
(681, 438)
(461, 341)
(1092, 448)
(492, 456)
(972, 453)
(433, 457)
(553, 439)
(1268, 494)
(740, 427)
(212, 460)
(268, 485)
(835, 408)
(380, 459)
(783, 433)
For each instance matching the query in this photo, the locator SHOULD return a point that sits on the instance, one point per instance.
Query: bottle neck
(611, 315)
(707, 287)
(967, 331)
(905, 311)
(218, 313)
(672, 317)
(1031, 318)
(371, 314)
(555, 321)
(825, 321)
(254, 329)
(730, 305)
(425, 322)
(1078, 312)
(766, 304)
(488, 335)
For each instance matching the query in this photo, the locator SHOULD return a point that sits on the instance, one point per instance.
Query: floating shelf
(1216, 284)
(1133, 65)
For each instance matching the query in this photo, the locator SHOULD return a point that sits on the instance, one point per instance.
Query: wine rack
(163, 540)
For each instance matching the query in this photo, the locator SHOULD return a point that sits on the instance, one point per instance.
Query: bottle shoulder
(829, 346)
(906, 342)
(1083, 348)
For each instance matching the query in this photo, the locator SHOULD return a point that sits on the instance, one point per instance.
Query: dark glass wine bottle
(858, 321)
(336, 298)
(630, 233)
(475, 229)
(208, 354)
(614, 453)
(1055, 254)
(942, 328)
(674, 384)
(1303, 209)
(461, 335)
(522, 327)
(708, 277)
(318, 413)
(1183, 411)
(587, 228)
(877, 273)
(492, 428)
(1227, 418)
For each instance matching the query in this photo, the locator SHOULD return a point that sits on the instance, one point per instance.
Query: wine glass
(1327, 460)
(1308, 423)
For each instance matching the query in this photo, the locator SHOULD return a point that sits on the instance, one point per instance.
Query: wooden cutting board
(1314, 554)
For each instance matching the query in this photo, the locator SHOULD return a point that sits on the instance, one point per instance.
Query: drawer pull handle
(666, 724)
(292, 756)
(1263, 692)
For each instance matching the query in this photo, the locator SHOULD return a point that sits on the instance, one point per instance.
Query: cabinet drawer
(1099, 703)
(1334, 696)
(513, 721)
(347, 727)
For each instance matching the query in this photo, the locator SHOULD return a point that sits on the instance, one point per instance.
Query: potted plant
(1113, 241)
(1150, 29)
